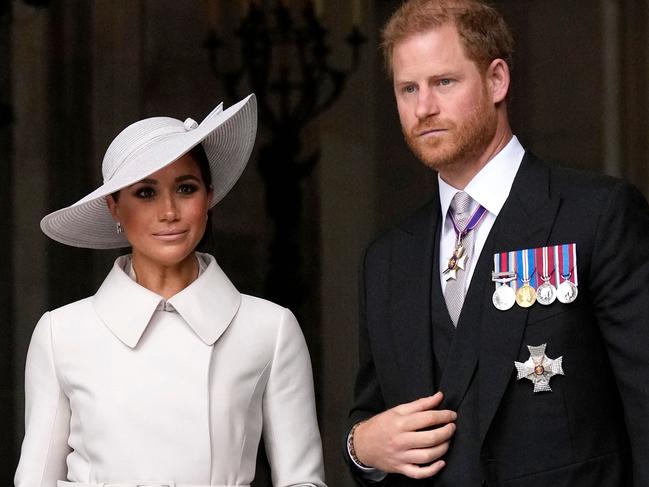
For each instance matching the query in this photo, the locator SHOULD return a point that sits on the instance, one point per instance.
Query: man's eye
(187, 188)
(409, 89)
(445, 82)
(145, 193)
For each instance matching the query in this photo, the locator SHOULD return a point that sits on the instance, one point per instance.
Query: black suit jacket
(593, 428)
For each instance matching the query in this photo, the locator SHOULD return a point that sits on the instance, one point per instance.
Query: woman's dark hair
(198, 154)
(206, 243)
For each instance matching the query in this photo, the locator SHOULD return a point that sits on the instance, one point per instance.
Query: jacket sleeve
(368, 397)
(290, 430)
(620, 296)
(47, 415)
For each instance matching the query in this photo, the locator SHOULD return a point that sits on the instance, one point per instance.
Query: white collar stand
(208, 304)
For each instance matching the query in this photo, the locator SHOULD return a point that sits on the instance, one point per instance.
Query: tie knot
(461, 205)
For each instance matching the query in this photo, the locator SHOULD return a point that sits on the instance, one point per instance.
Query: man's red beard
(457, 144)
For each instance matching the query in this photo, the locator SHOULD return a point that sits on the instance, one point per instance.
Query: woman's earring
(119, 228)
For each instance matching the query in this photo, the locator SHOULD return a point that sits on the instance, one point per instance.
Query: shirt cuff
(367, 473)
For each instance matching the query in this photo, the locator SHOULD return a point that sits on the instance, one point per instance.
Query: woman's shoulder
(261, 304)
(68, 316)
(266, 316)
(76, 308)
(270, 329)
(59, 323)
(262, 309)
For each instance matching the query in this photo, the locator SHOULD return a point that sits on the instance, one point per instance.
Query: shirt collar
(208, 304)
(499, 173)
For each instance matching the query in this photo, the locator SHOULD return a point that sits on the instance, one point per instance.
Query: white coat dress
(124, 388)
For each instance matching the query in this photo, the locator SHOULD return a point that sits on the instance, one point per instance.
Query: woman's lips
(170, 235)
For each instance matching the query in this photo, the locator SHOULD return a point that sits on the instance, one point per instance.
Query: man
(504, 327)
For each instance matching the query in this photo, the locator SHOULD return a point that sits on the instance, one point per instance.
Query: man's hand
(408, 439)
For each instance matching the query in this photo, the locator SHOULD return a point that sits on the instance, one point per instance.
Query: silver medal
(567, 292)
(504, 297)
(546, 293)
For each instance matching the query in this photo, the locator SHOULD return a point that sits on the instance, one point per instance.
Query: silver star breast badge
(539, 368)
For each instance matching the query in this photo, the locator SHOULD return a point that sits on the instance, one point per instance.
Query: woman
(167, 376)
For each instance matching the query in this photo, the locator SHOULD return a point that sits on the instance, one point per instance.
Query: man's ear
(498, 80)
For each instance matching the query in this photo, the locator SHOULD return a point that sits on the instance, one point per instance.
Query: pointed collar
(208, 304)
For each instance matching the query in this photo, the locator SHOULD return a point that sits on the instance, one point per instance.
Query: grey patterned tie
(455, 288)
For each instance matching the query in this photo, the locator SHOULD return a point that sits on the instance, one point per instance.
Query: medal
(567, 291)
(539, 368)
(459, 259)
(525, 295)
(504, 296)
(546, 293)
(556, 278)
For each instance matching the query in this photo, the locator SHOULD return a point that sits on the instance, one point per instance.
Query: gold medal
(525, 296)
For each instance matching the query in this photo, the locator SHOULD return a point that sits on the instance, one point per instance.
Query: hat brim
(227, 136)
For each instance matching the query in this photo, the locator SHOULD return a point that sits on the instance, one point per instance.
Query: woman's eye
(187, 188)
(145, 192)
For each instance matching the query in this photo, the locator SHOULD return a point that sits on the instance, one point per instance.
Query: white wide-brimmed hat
(147, 146)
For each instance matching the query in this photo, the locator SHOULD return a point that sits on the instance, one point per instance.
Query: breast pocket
(539, 313)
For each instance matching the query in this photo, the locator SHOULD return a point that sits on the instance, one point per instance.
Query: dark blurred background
(326, 176)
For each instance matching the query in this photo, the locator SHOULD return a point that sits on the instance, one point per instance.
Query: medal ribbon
(557, 274)
(546, 256)
(474, 221)
(554, 264)
(573, 266)
(497, 269)
(524, 259)
(514, 267)
(502, 275)
(568, 258)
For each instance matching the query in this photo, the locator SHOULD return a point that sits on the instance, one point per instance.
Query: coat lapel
(463, 355)
(525, 221)
(410, 291)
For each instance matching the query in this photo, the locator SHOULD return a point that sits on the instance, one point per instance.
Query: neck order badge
(459, 258)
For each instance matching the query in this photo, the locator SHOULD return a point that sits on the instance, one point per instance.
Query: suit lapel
(484, 335)
(410, 279)
(463, 355)
(526, 217)
(525, 221)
